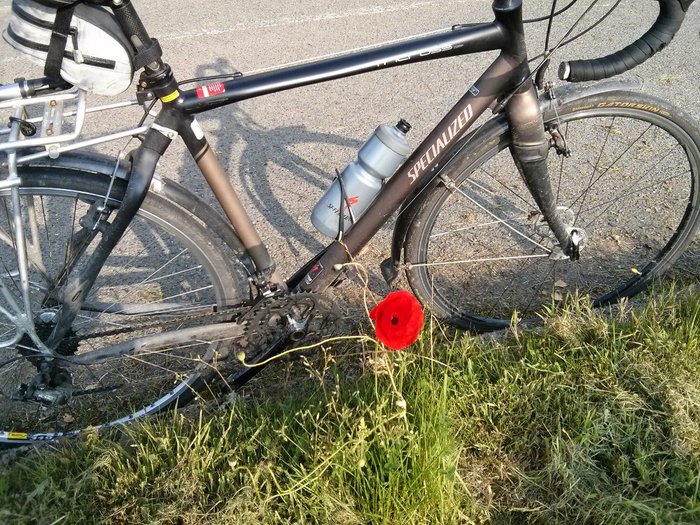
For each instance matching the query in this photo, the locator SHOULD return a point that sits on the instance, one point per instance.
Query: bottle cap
(403, 126)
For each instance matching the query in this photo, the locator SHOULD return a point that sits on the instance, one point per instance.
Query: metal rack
(63, 115)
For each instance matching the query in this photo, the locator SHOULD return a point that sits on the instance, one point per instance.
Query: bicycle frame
(461, 40)
(507, 77)
(505, 74)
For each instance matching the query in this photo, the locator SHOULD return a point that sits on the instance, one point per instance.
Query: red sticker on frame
(217, 88)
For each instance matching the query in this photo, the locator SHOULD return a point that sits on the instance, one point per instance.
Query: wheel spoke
(584, 194)
(611, 202)
(157, 267)
(606, 170)
(476, 226)
(34, 251)
(535, 296)
(480, 260)
(628, 186)
(505, 187)
(508, 287)
(136, 286)
(501, 221)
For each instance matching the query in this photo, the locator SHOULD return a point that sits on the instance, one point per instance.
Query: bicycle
(87, 345)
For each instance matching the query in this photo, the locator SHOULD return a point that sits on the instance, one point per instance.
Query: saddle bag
(81, 43)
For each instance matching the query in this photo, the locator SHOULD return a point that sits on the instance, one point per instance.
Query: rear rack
(56, 107)
(58, 122)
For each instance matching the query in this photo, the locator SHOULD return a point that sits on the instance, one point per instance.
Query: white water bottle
(362, 179)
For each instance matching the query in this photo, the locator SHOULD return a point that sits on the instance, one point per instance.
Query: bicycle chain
(263, 315)
(227, 313)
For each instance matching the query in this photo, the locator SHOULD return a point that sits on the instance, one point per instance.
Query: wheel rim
(630, 195)
(156, 265)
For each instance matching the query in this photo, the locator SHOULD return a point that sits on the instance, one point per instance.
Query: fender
(104, 165)
(491, 130)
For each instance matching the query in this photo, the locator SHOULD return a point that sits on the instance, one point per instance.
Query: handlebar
(667, 24)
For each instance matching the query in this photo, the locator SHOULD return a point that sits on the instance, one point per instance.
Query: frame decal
(217, 88)
(454, 129)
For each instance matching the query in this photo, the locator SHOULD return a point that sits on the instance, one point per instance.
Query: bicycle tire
(168, 260)
(479, 255)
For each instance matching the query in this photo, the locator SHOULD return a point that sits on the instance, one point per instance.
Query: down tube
(493, 82)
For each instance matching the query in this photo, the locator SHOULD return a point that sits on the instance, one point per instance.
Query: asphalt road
(282, 150)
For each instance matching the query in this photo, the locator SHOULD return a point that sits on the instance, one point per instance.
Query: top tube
(475, 38)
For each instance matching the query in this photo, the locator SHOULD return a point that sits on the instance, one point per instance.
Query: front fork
(530, 148)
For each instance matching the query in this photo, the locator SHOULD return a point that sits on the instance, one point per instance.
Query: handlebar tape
(671, 15)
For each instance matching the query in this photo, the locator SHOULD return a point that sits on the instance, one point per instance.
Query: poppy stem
(241, 355)
(364, 277)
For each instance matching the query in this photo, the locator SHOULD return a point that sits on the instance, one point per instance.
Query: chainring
(270, 319)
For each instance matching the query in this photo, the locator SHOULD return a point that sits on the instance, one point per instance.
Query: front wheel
(168, 272)
(479, 252)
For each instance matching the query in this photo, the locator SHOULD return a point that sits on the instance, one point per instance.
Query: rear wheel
(167, 272)
(479, 252)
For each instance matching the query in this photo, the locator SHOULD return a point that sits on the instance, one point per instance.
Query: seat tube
(217, 179)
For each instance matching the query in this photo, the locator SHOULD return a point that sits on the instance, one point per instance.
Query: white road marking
(289, 21)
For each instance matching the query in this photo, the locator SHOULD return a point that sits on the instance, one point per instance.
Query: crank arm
(275, 349)
(295, 331)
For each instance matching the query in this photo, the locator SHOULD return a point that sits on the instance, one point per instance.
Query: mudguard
(95, 163)
(491, 130)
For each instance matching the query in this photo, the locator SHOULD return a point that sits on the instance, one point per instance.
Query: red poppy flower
(398, 320)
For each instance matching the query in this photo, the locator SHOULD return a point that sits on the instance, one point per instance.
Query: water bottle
(362, 179)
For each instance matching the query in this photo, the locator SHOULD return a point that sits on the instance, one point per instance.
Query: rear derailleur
(52, 385)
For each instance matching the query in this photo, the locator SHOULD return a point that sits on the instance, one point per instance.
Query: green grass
(594, 419)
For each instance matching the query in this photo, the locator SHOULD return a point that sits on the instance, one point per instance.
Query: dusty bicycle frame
(506, 73)
(507, 77)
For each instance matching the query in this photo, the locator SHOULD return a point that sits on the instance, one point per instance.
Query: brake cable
(566, 41)
(551, 15)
